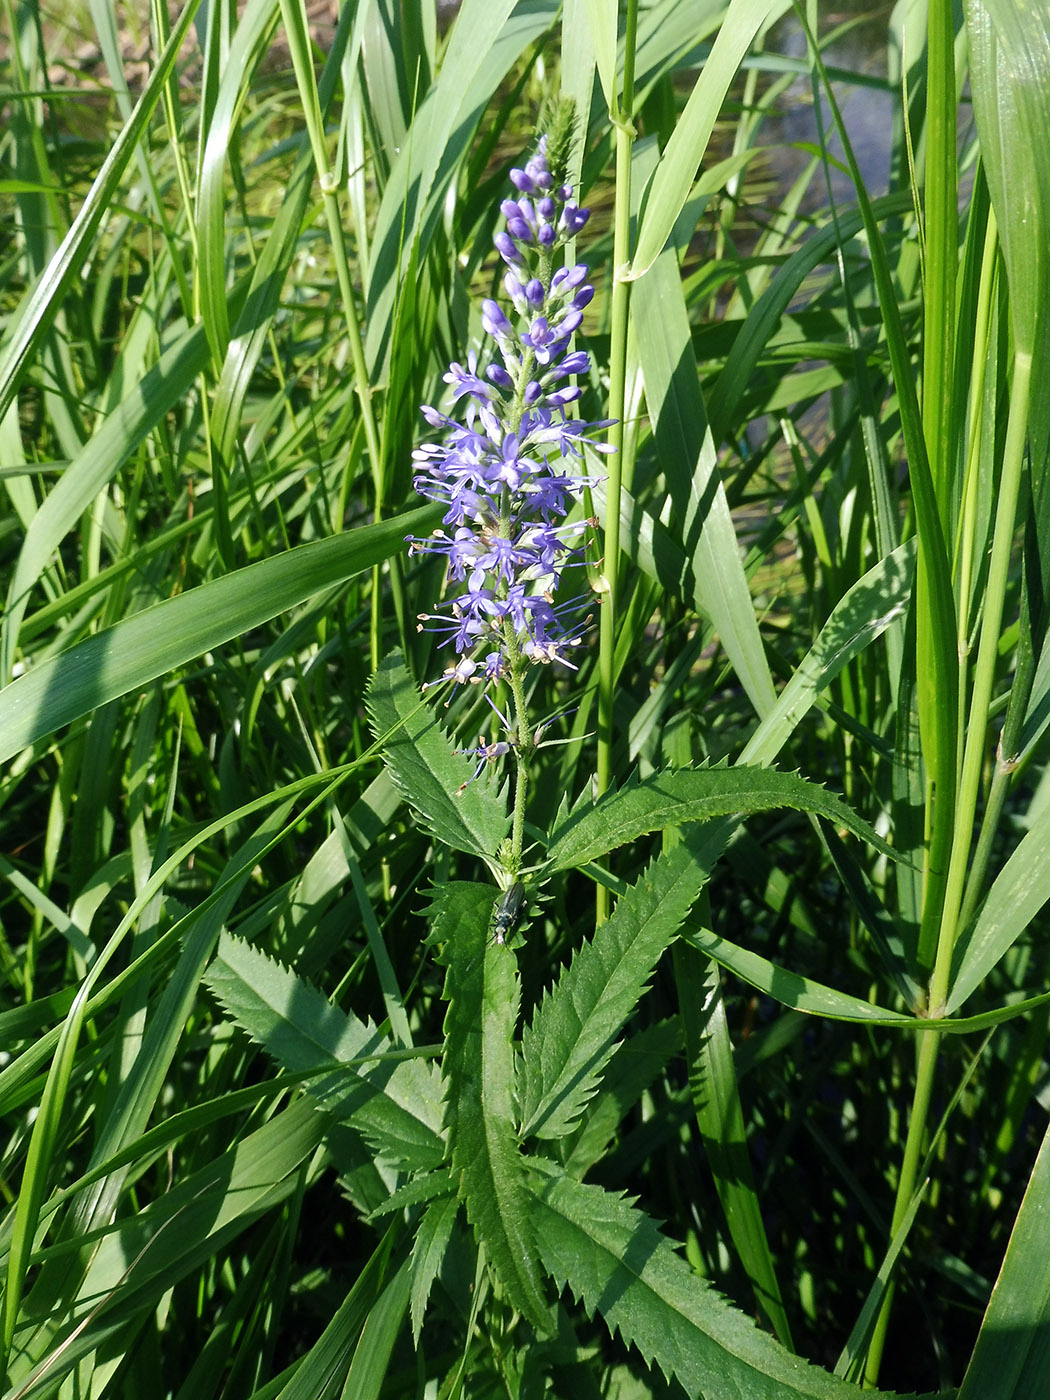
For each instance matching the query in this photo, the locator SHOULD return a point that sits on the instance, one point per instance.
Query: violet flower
(509, 467)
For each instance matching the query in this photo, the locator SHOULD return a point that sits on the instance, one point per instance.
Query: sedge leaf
(801, 993)
(148, 644)
(1011, 1360)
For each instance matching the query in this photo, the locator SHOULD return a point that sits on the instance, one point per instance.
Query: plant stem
(522, 744)
(976, 730)
(926, 1065)
(621, 291)
(984, 675)
(938, 716)
(939, 713)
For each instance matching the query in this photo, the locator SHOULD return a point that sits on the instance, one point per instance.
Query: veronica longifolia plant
(518, 1074)
(509, 467)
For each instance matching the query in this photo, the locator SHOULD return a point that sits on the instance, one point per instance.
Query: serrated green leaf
(394, 1102)
(423, 1188)
(483, 990)
(691, 795)
(427, 769)
(635, 1063)
(428, 1254)
(614, 1259)
(571, 1036)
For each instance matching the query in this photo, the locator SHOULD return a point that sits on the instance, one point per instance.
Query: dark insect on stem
(508, 911)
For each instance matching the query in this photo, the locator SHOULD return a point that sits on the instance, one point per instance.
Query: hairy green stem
(522, 743)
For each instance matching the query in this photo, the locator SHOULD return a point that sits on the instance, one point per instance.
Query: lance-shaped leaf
(394, 1102)
(142, 1257)
(572, 1034)
(483, 991)
(428, 1254)
(666, 799)
(614, 1259)
(427, 769)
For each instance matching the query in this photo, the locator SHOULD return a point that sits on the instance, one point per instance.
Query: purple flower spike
(466, 381)
(568, 278)
(508, 468)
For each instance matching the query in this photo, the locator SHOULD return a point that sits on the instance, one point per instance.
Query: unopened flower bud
(493, 319)
(507, 249)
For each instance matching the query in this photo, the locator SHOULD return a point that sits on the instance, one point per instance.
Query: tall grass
(310, 1089)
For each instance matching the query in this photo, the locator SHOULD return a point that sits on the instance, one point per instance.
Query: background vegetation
(247, 984)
